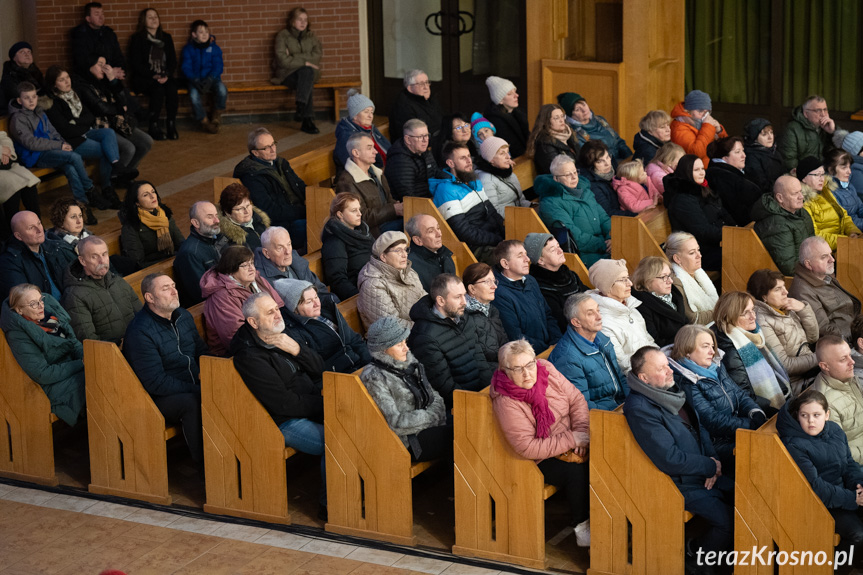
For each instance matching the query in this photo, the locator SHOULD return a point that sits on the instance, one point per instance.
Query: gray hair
(250, 306)
(193, 211)
(84, 242)
(355, 139)
(411, 76)
(674, 243)
(573, 304)
(812, 98)
(413, 125)
(412, 227)
(147, 282)
(253, 137)
(807, 247)
(268, 237)
(515, 347)
(559, 161)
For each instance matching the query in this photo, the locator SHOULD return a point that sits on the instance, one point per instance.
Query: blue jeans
(101, 144)
(73, 166)
(307, 437)
(220, 97)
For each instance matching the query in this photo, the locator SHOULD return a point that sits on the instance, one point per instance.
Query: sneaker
(582, 533)
(89, 218)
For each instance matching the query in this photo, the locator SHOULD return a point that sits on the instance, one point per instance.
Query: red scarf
(380, 150)
(535, 397)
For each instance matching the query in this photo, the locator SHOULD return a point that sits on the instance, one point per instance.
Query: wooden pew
(632, 240)
(522, 221)
(742, 254)
(628, 491)
(197, 312)
(318, 202)
(462, 256)
(849, 265)
(128, 456)
(163, 267)
(525, 171)
(113, 241)
(657, 223)
(316, 264)
(316, 167)
(26, 433)
(768, 516)
(244, 451)
(349, 310)
(489, 473)
(369, 470)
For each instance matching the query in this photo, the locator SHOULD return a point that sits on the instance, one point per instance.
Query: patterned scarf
(766, 374)
(158, 59)
(666, 299)
(159, 223)
(535, 397)
(561, 136)
(50, 325)
(474, 304)
(74, 102)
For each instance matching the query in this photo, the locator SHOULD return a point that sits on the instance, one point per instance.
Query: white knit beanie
(498, 88)
(490, 146)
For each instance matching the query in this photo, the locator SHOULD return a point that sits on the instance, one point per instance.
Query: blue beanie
(697, 100)
(478, 122)
(853, 143)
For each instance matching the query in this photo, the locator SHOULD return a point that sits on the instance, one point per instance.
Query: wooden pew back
(632, 240)
(316, 264)
(348, 309)
(163, 267)
(244, 451)
(197, 312)
(525, 171)
(318, 201)
(462, 256)
(626, 488)
(113, 241)
(849, 265)
(657, 223)
(742, 254)
(26, 434)
(315, 167)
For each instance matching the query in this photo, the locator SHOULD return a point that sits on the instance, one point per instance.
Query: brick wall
(244, 29)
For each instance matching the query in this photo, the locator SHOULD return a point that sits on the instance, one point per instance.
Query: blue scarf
(711, 372)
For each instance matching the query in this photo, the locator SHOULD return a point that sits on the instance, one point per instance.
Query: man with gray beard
(100, 303)
(198, 252)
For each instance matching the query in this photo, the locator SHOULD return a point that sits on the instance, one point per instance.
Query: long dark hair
(129, 209)
(142, 22)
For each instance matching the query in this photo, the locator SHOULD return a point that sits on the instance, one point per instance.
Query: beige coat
(834, 307)
(15, 178)
(788, 336)
(387, 291)
(846, 409)
(376, 210)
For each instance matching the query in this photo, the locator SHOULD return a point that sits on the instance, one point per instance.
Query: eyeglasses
(247, 266)
(462, 128)
(817, 174)
(626, 280)
(399, 251)
(522, 369)
(750, 313)
(244, 208)
(422, 84)
(568, 175)
(37, 303)
(421, 137)
(666, 278)
(490, 282)
(819, 111)
(270, 147)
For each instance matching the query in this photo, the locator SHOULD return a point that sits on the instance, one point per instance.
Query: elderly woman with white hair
(621, 321)
(494, 168)
(545, 418)
(699, 293)
(360, 120)
(388, 284)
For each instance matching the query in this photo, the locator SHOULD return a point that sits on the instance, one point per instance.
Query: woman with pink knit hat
(494, 169)
(509, 120)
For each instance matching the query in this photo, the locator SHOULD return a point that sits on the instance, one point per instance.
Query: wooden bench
(112, 239)
(127, 432)
(318, 201)
(462, 256)
(244, 451)
(522, 221)
(632, 240)
(369, 470)
(629, 494)
(525, 171)
(197, 312)
(767, 515)
(849, 265)
(348, 309)
(499, 495)
(657, 223)
(163, 267)
(742, 254)
(26, 432)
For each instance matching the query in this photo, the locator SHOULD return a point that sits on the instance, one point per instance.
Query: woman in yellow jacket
(828, 217)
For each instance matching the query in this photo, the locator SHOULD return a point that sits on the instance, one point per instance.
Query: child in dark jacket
(203, 66)
(820, 449)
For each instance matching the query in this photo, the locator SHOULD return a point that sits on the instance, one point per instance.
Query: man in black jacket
(163, 348)
(415, 101)
(410, 163)
(444, 339)
(273, 185)
(198, 252)
(30, 258)
(429, 256)
(277, 259)
(19, 68)
(92, 37)
(556, 281)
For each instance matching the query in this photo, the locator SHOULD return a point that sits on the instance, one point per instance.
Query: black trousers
(573, 479)
(185, 409)
(303, 82)
(435, 442)
(161, 95)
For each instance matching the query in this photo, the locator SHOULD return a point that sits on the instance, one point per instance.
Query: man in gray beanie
(548, 267)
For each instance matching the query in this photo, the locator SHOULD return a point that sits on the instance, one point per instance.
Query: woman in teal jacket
(38, 332)
(565, 200)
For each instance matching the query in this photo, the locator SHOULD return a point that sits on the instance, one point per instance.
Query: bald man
(782, 223)
(31, 258)
(198, 252)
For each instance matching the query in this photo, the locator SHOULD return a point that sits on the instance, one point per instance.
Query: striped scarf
(766, 375)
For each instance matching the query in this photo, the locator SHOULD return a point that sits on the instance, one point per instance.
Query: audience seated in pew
(814, 282)
(789, 326)
(494, 167)
(321, 326)
(722, 406)
(360, 120)
(764, 164)
(808, 133)
(397, 382)
(410, 163)
(853, 144)
(828, 217)
(551, 137)
(454, 128)
(693, 127)
(503, 112)
(163, 348)
(480, 286)
(149, 234)
(662, 303)
(589, 127)
(285, 376)
(41, 338)
(277, 259)
(699, 293)
(586, 356)
(544, 418)
(428, 255)
(597, 169)
(726, 177)
(347, 245)
(838, 165)
(415, 102)
(654, 131)
(100, 303)
(20, 67)
(198, 252)
(556, 281)
(241, 222)
(841, 388)
(669, 430)
(445, 340)
(857, 346)
(225, 287)
(663, 163)
(781, 222)
(387, 283)
(30, 258)
(634, 189)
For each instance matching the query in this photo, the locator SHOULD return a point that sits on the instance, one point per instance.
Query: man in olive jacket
(809, 133)
(782, 223)
(100, 303)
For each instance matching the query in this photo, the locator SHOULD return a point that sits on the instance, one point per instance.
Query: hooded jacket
(781, 231)
(645, 146)
(829, 219)
(738, 194)
(141, 243)
(387, 291)
(662, 321)
(624, 326)
(592, 369)
(428, 264)
(274, 188)
(377, 208)
(32, 132)
(763, 165)
(801, 139)
(196, 255)
(98, 309)
(21, 266)
(656, 171)
(634, 196)
(344, 252)
(791, 336)
(299, 270)
(833, 305)
(511, 126)
(556, 287)
(466, 209)
(243, 236)
(524, 312)
(693, 140)
(408, 106)
(202, 61)
(293, 49)
(55, 363)
(576, 210)
(409, 173)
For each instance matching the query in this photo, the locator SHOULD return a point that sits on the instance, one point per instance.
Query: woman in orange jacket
(693, 127)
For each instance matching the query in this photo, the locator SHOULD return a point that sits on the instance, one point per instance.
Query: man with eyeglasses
(809, 133)
(415, 101)
(556, 281)
(410, 162)
(273, 185)
(198, 252)
(782, 223)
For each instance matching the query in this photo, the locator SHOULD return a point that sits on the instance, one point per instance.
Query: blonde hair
(653, 120)
(516, 347)
(686, 338)
(730, 306)
(17, 293)
(667, 152)
(631, 170)
(674, 243)
(648, 268)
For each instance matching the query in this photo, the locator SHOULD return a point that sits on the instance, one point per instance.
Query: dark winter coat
(22, 266)
(347, 128)
(489, 332)
(645, 147)
(99, 309)
(72, 129)
(287, 386)
(449, 351)
(276, 189)
(408, 106)
(556, 287)
(547, 148)
(801, 139)
(524, 312)
(165, 354)
(781, 231)
(378, 208)
(763, 165)
(342, 351)
(409, 173)
(662, 321)
(196, 255)
(13, 74)
(344, 252)
(604, 193)
(594, 371)
(141, 76)
(105, 98)
(242, 236)
(88, 42)
(512, 127)
(467, 210)
(428, 264)
(299, 270)
(738, 194)
(141, 243)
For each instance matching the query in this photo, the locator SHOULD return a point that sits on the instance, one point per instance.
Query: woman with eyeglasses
(41, 338)
(662, 305)
(551, 137)
(149, 234)
(388, 284)
(829, 219)
(621, 320)
(545, 418)
(480, 285)
(241, 222)
(748, 359)
(225, 288)
(454, 128)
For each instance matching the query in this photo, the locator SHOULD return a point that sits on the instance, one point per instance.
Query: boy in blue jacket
(202, 66)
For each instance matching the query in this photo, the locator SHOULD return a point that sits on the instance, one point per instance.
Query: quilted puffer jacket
(387, 291)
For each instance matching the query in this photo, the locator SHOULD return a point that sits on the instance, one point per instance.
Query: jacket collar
(358, 175)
